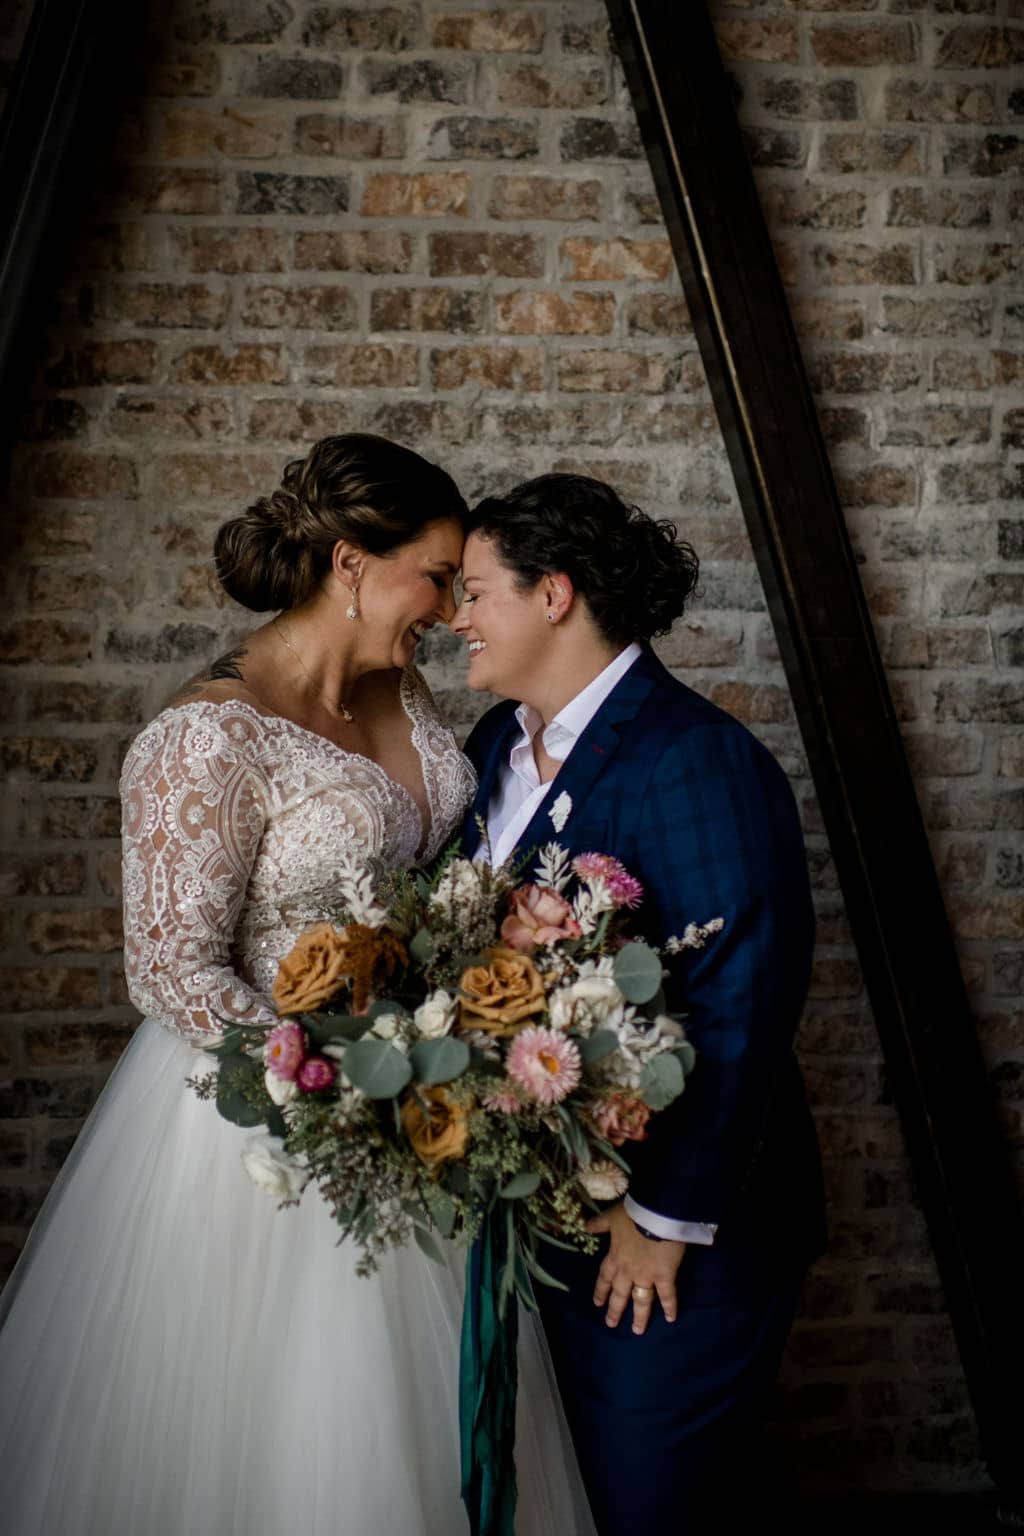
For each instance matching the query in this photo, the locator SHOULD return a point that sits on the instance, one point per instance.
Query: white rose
(280, 1091)
(592, 1000)
(269, 1166)
(386, 1026)
(436, 1016)
(604, 1180)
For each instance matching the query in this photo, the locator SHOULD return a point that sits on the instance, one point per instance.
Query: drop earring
(352, 611)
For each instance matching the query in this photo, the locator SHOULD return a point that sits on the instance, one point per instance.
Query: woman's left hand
(635, 1269)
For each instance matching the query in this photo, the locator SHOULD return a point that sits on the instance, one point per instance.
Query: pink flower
(286, 1050)
(502, 1101)
(545, 1063)
(621, 1118)
(315, 1073)
(622, 888)
(538, 916)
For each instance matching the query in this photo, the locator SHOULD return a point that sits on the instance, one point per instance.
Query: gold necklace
(346, 713)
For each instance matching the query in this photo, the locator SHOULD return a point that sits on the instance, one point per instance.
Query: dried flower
(285, 1051)
(538, 915)
(545, 1063)
(623, 889)
(500, 996)
(503, 1100)
(312, 972)
(604, 1180)
(315, 1074)
(621, 1117)
(437, 1132)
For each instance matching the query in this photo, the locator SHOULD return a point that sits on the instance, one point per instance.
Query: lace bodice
(235, 823)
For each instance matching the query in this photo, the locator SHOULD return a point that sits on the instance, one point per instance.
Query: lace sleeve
(193, 815)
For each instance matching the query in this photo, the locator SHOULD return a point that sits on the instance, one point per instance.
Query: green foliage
(662, 1081)
(439, 1061)
(241, 1095)
(377, 1068)
(637, 972)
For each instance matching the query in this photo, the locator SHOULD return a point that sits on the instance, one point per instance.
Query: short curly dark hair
(634, 572)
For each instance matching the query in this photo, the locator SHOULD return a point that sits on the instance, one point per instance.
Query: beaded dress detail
(234, 826)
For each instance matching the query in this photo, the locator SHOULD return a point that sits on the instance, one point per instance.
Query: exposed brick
(48, 760)
(866, 45)
(1012, 434)
(248, 363)
(617, 372)
(997, 154)
(506, 367)
(974, 47)
(363, 365)
(182, 72)
(829, 100)
(867, 150)
(75, 1044)
(198, 476)
(1011, 539)
(231, 21)
(864, 372)
(544, 197)
(812, 207)
(880, 485)
(280, 193)
(497, 31)
(433, 194)
(768, 147)
(386, 29)
(244, 248)
(419, 80)
(585, 37)
(860, 264)
(324, 307)
(962, 370)
(57, 588)
(72, 816)
(826, 320)
(53, 420)
(535, 312)
(977, 264)
(85, 476)
(426, 309)
(478, 254)
(938, 426)
(171, 642)
(912, 207)
(353, 250)
(52, 875)
(94, 931)
(195, 133)
(928, 101)
(103, 362)
(595, 138)
(178, 306)
(34, 989)
(482, 138)
(585, 259)
(658, 314)
(536, 85)
(342, 137)
(138, 416)
(303, 78)
(156, 189)
(769, 41)
(85, 703)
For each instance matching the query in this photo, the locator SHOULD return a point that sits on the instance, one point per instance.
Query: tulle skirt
(180, 1358)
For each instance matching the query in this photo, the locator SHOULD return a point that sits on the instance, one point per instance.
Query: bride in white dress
(178, 1357)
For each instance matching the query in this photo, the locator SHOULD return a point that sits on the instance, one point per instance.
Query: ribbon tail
(488, 1378)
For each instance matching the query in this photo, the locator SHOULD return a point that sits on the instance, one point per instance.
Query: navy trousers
(666, 1425)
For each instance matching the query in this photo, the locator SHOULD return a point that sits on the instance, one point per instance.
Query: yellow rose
(501, 996)
(314, 969)
(439, 1134)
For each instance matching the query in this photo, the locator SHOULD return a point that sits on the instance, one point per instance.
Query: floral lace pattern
(234, 822)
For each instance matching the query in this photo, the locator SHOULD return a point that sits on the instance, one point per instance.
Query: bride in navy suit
(667, 1342)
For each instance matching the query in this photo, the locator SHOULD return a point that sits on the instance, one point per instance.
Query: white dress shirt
(514, 801)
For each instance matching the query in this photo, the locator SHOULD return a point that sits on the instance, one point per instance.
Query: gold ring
(642, 1292)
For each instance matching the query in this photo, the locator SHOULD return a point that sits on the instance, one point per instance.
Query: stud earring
(352, 611)
(551, 618)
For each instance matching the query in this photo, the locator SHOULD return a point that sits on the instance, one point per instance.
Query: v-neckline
(426, 823)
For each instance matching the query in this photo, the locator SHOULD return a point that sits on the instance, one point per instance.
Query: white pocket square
(560, 810)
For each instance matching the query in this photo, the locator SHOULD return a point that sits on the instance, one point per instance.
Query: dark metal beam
(878, 840)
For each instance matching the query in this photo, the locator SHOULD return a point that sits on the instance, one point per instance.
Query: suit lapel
(497, 753)
(595, 749)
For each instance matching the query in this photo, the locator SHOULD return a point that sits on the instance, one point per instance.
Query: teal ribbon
(488, 1377)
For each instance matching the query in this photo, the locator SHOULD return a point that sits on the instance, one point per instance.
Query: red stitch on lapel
(595, 748)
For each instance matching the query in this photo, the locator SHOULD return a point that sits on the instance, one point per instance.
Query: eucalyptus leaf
(637, 972)
(444, 1215)
(336, 1027)
(597, 1046)
(458, 1181)
(238, 1078)
(520, 1186)
(687, 1057)
(662, 1081)
(422, 947)
(276, 1123)
(377, 1069)
(439, 1061)
(386, 1005)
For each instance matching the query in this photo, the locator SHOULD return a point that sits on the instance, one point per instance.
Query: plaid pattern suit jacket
(703, 815)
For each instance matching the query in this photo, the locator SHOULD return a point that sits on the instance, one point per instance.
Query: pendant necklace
(346, 713)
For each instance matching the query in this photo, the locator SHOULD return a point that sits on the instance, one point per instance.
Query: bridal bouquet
(464, 1055)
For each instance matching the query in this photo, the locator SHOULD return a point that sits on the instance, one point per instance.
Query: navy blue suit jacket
(702, 814)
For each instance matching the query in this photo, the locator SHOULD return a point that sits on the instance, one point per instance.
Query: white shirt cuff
(699, 1232)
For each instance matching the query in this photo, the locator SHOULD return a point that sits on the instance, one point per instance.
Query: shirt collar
(572, 720)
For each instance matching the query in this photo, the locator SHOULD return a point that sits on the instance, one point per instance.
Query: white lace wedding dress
(177, 1356)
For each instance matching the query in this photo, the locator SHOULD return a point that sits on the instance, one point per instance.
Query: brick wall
(435, 222)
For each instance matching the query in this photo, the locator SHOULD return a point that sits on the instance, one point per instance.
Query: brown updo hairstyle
(364, 489)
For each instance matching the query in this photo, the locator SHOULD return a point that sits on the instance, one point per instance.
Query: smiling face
(504, 625)
(403, 594)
